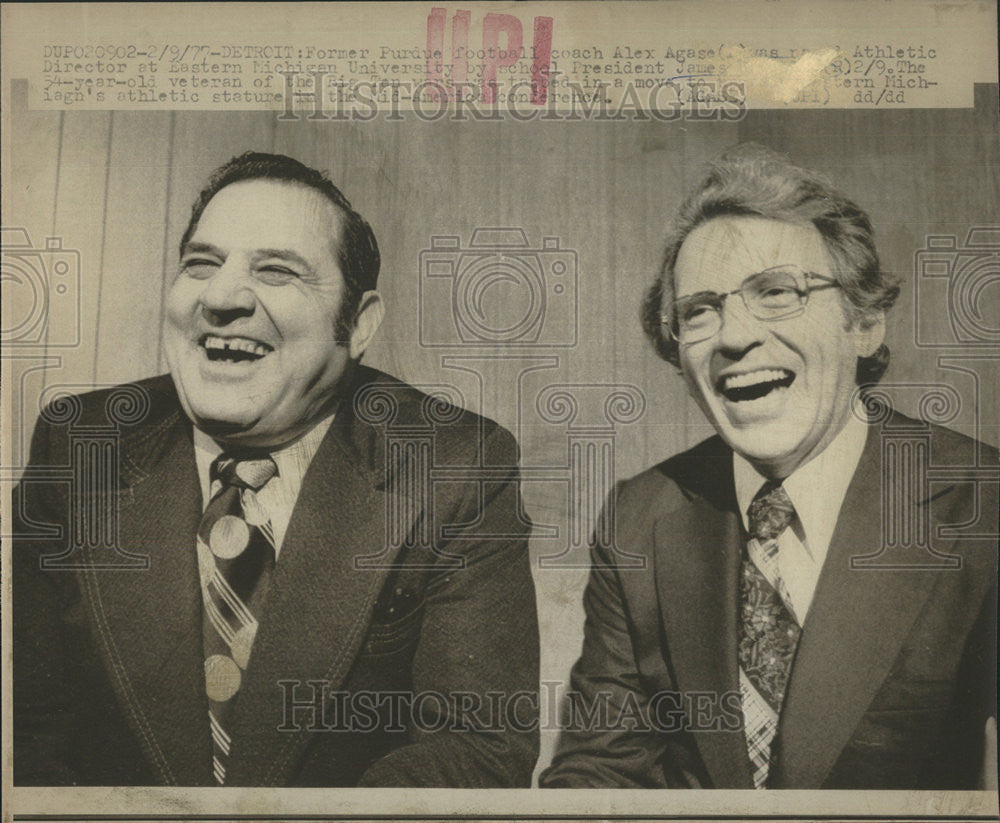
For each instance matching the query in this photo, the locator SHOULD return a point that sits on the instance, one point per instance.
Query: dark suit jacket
(894, 675)
(108, 663)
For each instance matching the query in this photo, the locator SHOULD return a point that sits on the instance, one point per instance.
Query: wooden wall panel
(80, 204)
(130, 303)
(28, 206)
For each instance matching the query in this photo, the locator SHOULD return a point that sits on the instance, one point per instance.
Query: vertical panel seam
(52, 232)
(164, 277)
(104, 234)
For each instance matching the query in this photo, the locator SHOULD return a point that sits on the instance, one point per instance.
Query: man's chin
(217, 414)
(771, 443)
(250, 432)
(223, 426)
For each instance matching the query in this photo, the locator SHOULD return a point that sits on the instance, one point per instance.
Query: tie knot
(770, 512)
(244, 473)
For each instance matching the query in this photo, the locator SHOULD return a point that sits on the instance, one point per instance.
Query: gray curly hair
(751, 180)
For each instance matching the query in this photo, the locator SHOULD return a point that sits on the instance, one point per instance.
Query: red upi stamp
(492, 58)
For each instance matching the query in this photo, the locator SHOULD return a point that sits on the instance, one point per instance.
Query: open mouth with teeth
(755, 384)
(233, 349)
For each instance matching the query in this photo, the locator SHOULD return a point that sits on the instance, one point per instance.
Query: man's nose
(228, 294)
(740, 329)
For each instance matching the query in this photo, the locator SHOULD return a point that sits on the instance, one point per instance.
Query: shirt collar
(816, 488)
(291, 459)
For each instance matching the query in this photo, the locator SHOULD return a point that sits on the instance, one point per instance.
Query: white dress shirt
(278, 496)
(817, 491)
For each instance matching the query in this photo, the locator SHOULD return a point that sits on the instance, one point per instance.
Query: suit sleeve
(959, 755)
(476, 667)
(607, 738)
(43, 715)
(957, 760)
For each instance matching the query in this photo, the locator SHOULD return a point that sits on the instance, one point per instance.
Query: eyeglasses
(777, 293)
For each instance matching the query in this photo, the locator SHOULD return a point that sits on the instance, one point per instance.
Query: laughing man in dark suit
(284, 600)
(751, 652)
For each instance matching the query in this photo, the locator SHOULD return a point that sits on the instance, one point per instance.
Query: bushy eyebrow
(195, 247)
(283, 254)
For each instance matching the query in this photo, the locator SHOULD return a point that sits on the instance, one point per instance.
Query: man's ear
(371, 310)
(869, 333)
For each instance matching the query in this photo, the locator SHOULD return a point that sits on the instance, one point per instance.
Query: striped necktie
(236, 555)
(768, 629)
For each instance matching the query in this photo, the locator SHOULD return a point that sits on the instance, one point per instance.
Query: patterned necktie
(236, 556)
(768, 629)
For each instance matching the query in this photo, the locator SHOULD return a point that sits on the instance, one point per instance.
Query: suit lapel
(856, 625)
(697, 557)
(149, 621)
(318, 605)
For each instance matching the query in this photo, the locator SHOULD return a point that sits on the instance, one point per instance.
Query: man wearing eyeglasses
(750, 651)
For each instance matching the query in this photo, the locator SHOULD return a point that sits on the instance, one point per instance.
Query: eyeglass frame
(828, 283)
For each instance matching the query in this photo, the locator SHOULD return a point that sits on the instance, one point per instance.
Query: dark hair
(753, 181)
(357, 251)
